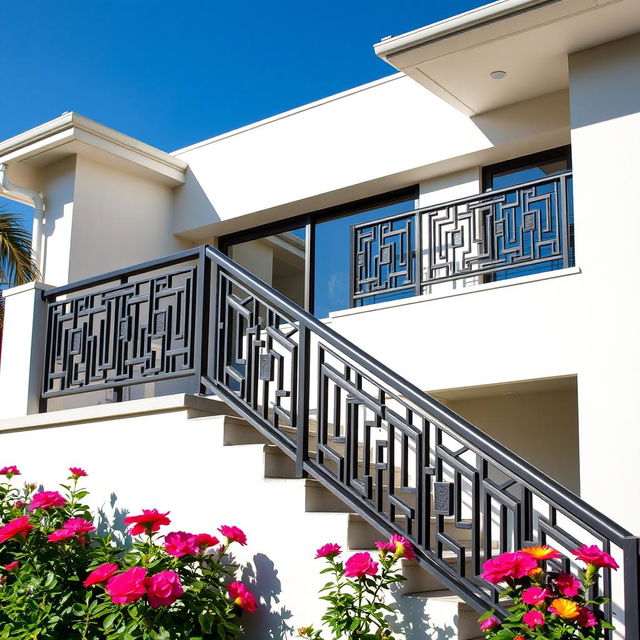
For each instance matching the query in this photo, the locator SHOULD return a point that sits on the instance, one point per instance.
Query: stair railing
(398, 457)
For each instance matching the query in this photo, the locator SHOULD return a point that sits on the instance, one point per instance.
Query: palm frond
(17, 265)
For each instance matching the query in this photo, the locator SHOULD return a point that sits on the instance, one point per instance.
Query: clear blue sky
(174, 73)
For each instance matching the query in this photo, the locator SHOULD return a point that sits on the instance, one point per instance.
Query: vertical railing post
(42, 401)
(302, 399)
(200, 339)
(631, 557)
(563, 203)
(418, 252)
(352, 266)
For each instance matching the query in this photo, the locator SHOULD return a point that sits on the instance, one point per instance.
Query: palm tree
(17, 264)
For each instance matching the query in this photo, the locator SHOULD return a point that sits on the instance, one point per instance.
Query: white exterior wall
(605, 137)
(389, 134)
(120, 219)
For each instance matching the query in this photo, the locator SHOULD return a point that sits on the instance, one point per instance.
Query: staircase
(365, 442)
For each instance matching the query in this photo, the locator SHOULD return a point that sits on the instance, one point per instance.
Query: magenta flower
(586, 618)
(567, 584)
(46, 500)
(16, 527)
(101, 574)
(180, 543)
(508, 565)
(128, 586)
(12, 566)
(233, 534)
(533, 619)
(77, 472)
(489, 623)
(149, 521)
(10, 471)
(205, 541)
(535, 595)
(329, 550)
(596, 556)
(163, 589)
(360, 565)
(242, 597)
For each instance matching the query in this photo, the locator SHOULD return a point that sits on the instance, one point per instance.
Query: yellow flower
(564, 608)
(544, 552)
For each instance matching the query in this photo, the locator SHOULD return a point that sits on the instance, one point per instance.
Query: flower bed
(60, 579)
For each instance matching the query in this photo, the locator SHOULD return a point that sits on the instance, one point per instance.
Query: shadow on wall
(269, 619)
(114, 523)
(193, 210)
(414, 624)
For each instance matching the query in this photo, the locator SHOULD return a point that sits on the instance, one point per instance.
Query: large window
(308, 258)
(522, 170)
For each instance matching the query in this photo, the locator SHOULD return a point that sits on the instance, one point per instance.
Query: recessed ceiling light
(498, 75)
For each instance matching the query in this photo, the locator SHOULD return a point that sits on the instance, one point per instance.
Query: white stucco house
(443, 338)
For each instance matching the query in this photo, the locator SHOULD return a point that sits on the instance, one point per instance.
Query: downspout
(22, 193)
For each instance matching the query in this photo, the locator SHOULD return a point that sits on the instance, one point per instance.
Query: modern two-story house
(391, 310)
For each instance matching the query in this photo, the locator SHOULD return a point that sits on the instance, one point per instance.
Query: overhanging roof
(73, 134)
(529, 39)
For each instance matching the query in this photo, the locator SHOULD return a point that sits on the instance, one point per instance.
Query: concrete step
(448, 615)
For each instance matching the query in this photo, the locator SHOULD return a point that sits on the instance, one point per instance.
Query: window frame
(309, 222)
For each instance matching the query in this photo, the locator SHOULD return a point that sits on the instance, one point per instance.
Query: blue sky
(174, 73)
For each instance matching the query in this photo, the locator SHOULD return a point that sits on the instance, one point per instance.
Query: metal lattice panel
(133, 333)
(384, 256)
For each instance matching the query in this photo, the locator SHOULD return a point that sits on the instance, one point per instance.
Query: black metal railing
(398, 457)
(491, 236)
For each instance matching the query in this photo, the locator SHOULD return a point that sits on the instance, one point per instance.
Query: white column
(22, 350)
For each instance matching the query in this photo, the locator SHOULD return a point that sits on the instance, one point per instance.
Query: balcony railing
(491, 236)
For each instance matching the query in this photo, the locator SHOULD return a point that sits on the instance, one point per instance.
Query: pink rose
(180, 543)
(385, 547)
(533, 619)
(360, 565)
(329, 550)
(567, 584)
(10, 471)
(60, 534)
(101, 574)
(586, 618)
(233, 534)
(205, 541)
(16, 527)
(508, 565)
(12, 566)
(242, 597)
(128, 586)
(535, 595)
(149, 521)
(594, 555)
(46, 500)
(489, 623)
(163, 589)
(77, 472)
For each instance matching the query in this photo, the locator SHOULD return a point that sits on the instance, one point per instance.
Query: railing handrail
(142, 267)
(466, 199)
(501, 456)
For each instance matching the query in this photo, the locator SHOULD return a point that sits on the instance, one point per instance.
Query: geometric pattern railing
(396, 456)
(129, 333)
(498, 234)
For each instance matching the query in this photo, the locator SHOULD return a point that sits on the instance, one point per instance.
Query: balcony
(497, 235)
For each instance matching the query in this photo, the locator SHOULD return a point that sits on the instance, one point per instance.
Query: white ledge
(114, 410)
(479, 288)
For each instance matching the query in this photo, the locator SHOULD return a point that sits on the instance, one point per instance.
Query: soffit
(529, 39)
(73, 134)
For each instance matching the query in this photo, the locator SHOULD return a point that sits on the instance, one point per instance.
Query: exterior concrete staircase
(426, 607)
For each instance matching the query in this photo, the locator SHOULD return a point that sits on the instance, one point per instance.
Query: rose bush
(60, 579)
(355, 593)
(546, 604)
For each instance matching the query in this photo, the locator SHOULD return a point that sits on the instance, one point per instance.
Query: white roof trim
(456, 24)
